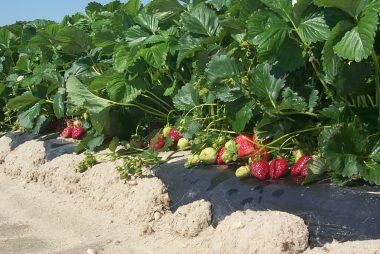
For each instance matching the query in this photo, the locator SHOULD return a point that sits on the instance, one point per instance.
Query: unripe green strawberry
(183, 144)
(166, 131)
(192, 160)
(208, 155)
(297, 154)
(242, 171)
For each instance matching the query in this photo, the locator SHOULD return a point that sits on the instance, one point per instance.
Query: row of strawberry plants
(301, 75)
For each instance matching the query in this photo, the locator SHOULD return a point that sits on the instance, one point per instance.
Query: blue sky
(25, 10)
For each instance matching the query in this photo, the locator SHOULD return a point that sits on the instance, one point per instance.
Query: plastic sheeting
(331, 212)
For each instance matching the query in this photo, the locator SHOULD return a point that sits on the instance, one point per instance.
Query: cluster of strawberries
(168, 132)
(73, 129)
(247, 147)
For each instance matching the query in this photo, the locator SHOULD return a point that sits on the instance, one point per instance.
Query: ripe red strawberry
(219, 160)
(78, 132)
(300, 167)
(261, 154)
(67, 132)
(278, 168)
(174, 135)
(246, 145)
(69, 123)
(260, 169)
(159, 143)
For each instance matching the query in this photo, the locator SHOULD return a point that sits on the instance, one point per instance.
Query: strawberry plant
(303, 76)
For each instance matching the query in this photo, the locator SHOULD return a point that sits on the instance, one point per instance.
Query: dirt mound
(260, 232)
(356, 247)
(143, 203)
(189, 220)
(25, 158)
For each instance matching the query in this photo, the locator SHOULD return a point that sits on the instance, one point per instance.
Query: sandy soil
(46, 207)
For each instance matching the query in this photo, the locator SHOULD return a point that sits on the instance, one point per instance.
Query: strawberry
(219, 160)
(278, 168)
(208, 155)
(242, 171)
(300, 167)
(77, 122)
(260, 169)
(246, 145)
(78, 132)
(69, 123)
(67, 132)
(160, 142)
(174, 135)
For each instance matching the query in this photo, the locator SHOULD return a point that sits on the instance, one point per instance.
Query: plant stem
(297, 113)
(319, 76)
(377, 82)
(161, 100)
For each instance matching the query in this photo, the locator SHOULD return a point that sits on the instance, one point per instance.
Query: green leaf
(292, 101)
(124, 57)
(348, 6)
(104, 39)
(188, 45)
(225, 93)
(90, 142)
(330, 61)
(371, 172)
(220, 4)
(281, 7)
(147, 21)
(313, 28)
(265, 86)
(40, 124)
(170, 90)
(221, 67)
(23, 64)
(120, 91)
(357, 44)
(95, 142)
(344, 147)
(5, 38)
(93, 7)
(186, 98)
(266, 30)
(201, 20)
(26, 118)
(73, 40)
(316, 167)
(135, 35)
(80, 96)
(155, 55)
(289, 56)
(58, 103)
(313, 100)
(20, 102)
(164, 9)
(239, 114)
(133, 7)
(191, 127)
(113, 144)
